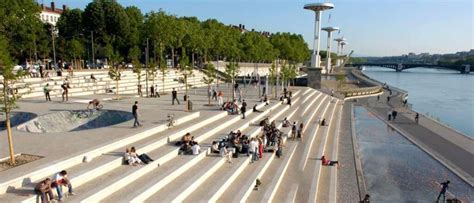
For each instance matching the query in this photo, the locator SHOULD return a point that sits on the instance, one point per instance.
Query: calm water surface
(443, 94)
(395, 170)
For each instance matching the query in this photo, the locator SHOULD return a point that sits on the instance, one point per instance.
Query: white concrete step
(278, 167)
(73, 160)
(162, 154)
(147, 188)
(246, 180)
(326, 191)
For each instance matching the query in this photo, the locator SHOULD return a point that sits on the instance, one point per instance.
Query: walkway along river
(445, 95)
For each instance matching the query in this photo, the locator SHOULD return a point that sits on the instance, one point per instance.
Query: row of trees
(105, 28)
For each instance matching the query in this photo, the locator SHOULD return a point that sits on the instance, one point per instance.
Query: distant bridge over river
(399, 67)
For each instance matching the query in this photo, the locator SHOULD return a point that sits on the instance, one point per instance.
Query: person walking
(243, 108)
(394, 115)
(293, 131)
(46, 91)
(288, 101)
(214, 94)
(388, 99)
(136, 123)
(389, 114)
(174, 95)
(65, 87)
(444, 189)
(417, 116)
(220, 98)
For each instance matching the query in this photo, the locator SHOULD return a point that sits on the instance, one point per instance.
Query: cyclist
(95, 104)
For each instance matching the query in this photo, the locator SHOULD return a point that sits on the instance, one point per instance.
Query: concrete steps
(246, 179)
(152, 190)
(165, 153)
(327, 175)
(277, 169)
(75, 161)
(299, 171)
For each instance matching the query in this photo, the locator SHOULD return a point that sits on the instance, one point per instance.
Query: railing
(361, 91)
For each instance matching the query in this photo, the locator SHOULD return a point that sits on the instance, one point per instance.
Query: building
(51, 14)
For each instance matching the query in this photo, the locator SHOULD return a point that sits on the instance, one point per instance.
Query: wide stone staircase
(82, 84)
(296, 176)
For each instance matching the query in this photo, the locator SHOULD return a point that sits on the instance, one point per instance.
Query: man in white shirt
(196, 149)
(60, 179)
(254, 150)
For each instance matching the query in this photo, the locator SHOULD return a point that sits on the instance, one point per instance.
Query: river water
(395, 170)
(444, 95)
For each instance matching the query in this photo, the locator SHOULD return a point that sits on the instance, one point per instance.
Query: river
(445, 95)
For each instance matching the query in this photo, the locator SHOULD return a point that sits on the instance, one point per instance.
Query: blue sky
(372, 27)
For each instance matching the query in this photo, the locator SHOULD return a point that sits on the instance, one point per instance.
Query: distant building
(51, 14)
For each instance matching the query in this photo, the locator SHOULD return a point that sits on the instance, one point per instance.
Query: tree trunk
(192, 59)
(117, 89)
(163, 80)
(10, 138)
(209, 94)
(186, 85)
(172, 57)
(7, 122)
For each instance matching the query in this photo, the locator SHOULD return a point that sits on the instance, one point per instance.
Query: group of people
(188, 145)
(272, 136)
(392, 114)
(44, 189)
(65, 86)
(296, 130)
(131, 158)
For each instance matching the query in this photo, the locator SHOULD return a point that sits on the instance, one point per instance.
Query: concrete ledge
(317, 171)
(77, 159)
(244, 193)
(278, 176)
(311, 141)
(358, 164)
(333, 177)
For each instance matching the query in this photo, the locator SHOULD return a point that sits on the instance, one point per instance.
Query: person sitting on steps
(130, 159)
(327, 162)
(60, 179)
(43, 189)
(286, 122)
(143, 157)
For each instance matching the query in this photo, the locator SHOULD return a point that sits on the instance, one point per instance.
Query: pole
(92, 48)
(146, 67)
(258, 75)
(328, 53)
(278, 78)
(317, 33)
(54, 46)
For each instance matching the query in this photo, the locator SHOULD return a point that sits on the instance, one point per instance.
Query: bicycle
(81, 114)
(170, 120)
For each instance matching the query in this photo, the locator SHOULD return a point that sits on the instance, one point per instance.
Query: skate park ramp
(17, 118)
(76, 120)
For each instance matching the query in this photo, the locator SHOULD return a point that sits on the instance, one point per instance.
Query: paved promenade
(454, 150)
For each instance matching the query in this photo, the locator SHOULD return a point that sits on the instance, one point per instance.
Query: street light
(54, 46)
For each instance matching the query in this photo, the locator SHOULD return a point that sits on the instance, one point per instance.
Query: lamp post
(54, 46)
(318, 8)
(338, 52)
(328, 52)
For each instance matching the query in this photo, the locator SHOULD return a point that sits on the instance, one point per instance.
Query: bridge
(399, 67)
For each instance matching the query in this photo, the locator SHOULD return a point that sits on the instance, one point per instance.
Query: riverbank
(450, 147)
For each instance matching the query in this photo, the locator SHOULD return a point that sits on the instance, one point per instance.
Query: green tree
(210, 72)
(115, 71)
(152, 72)
(137, 69)
(232, 70)
(272, 77)
(185, 70)
(20, 26)
(75, 51)
(163, 70)
(9, 95)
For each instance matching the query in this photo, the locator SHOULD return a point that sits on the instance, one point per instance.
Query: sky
(371, 27)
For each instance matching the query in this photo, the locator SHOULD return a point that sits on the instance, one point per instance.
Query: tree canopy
(114, 29)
